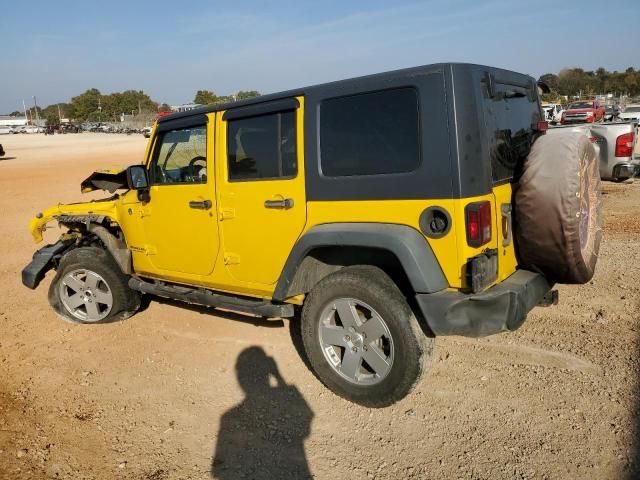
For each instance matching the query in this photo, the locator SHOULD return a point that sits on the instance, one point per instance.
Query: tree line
(587, 83)
(93, 106)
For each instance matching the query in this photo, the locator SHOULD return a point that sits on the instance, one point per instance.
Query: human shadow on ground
(7, 158)
(263, 436)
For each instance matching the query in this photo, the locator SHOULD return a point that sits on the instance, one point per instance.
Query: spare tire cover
(558, 208)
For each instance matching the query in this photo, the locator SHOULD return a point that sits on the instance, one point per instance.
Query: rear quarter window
(370, 133)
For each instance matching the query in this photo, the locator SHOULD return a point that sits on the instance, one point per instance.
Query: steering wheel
(193, 168)
(197, 159)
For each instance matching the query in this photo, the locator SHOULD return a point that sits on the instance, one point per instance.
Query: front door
(181, 235)
(261, 191)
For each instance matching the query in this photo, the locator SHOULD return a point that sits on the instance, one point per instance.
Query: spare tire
(558, 208)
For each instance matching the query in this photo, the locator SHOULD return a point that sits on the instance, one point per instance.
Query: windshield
(632, 109)
(581, 105)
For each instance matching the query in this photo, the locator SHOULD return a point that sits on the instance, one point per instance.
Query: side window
(370, 134)
(262, 147)
(180, 157)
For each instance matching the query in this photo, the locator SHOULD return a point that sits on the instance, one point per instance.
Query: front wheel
(362, 339)
(89, 287)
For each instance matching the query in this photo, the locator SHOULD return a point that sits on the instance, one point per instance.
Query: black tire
(412, 349)
(558, 208)
(125, 302)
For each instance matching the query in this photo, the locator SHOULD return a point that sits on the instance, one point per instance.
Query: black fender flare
(408, 245)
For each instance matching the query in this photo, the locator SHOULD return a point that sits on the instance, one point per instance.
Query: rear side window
(262, 147)
(370, 134)
(509, 120)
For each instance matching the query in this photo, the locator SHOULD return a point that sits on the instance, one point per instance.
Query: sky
(171, 49)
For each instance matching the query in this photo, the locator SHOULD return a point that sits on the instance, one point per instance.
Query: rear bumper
(42, 262)
(626, 170)
(503, 307)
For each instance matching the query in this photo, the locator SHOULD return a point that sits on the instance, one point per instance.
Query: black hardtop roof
(216, 107)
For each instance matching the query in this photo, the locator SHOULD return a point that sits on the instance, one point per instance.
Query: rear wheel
(89, 287)
(362, 339)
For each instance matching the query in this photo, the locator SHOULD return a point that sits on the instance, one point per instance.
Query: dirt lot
(159, 396)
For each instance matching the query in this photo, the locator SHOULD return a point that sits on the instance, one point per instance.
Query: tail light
(478, 223)
(542, 126)
(562, 119)
(624, 145)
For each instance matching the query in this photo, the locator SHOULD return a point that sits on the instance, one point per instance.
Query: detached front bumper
(43, 261)
(503, 307)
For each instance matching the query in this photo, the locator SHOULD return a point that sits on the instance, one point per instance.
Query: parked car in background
(631, 112)
(583, 111)
(553, 112)
(614, 144)
(31, 129)
(5, 130)
(611, 113)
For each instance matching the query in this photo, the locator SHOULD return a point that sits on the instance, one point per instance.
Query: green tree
(224, 99)
(205, 97)
(85, 105)
(241, 95)
(129, 102)
(164, 108)
(52, 119)
(51, 112)
(572, 81)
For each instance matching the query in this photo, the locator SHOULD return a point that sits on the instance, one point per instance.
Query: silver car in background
(631, 112)
(614, 143)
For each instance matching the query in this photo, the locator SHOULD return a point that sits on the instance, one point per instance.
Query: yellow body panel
(451, 250)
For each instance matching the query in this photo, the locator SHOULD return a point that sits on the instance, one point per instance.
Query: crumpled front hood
(94, 208)
(110, 179)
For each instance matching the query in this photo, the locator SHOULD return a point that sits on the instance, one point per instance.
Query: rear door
(511, 113)
(261, 188)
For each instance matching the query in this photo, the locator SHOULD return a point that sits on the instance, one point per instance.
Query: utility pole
(139, 109)
(59, 115)
(35, 104)
(24, 107)
(99, 111)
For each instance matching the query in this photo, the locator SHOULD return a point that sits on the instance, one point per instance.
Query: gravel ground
(176, 393)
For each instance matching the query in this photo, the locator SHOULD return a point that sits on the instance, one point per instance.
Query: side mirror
(137, 179)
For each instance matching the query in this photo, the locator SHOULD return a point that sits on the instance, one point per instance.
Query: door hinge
(231, 259)
(227, 213)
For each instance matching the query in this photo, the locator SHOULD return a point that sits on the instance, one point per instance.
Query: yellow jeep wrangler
(377, 211)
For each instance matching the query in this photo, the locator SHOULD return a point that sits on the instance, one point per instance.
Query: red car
(584, 111)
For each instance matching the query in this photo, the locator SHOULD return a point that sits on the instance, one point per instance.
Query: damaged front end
(86, 223)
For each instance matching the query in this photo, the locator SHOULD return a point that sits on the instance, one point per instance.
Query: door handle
(200, 205)
(507, 223)
(282, 204)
